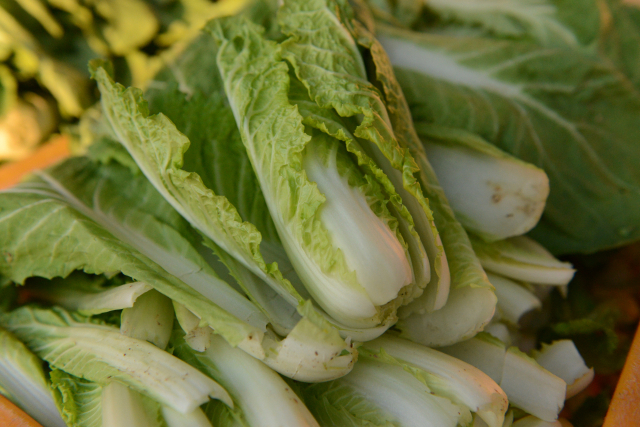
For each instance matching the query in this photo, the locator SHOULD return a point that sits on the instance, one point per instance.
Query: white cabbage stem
(369, 246)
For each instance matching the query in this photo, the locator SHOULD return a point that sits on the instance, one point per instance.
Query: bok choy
(265, 225)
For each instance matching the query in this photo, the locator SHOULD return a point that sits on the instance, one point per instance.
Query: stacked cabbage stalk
(278, 213)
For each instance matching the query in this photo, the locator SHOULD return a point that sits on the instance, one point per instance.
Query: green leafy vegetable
(100, 353)
(275, 198)
(24, 207)
(307, 219)
(330, 66)
(470, 291)
(526, 99)
(217, 154)
(209, 213)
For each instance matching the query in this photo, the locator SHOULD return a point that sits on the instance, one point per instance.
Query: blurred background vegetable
(45, 46)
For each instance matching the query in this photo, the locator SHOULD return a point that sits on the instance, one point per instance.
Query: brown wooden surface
(625, 407)
(12, 416)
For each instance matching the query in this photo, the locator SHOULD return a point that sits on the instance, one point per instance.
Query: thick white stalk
(265, 399)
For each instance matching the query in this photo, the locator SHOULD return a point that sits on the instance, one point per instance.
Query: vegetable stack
(263, 226)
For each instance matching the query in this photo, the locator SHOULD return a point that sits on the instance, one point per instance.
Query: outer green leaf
(79, 401)
(192, 87)
(567, 112)
(158, 148)
(102, 354)
(150, 225)
(548, 22)
(217, 154)
(620, 37)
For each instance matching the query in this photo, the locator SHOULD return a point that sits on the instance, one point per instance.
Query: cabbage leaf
(563, 110)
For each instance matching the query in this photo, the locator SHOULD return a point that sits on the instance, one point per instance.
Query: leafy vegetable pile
(264, 236)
